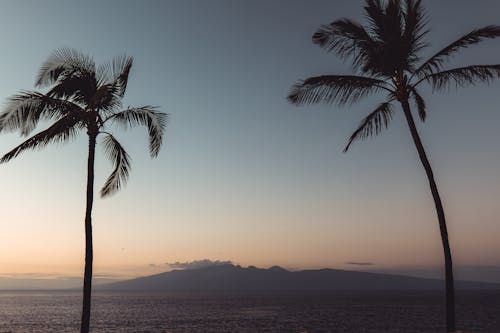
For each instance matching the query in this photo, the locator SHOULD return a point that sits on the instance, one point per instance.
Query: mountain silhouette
(230, 277)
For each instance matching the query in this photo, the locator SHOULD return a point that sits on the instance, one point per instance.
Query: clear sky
(244, 175)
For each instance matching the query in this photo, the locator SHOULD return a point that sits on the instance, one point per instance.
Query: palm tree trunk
(450, 290)
(87, 277)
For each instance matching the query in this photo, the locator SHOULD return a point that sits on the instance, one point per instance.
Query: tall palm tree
(82, 97)
(385, 58)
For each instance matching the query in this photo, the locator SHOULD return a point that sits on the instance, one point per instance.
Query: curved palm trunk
(450, 290)
(87, 278)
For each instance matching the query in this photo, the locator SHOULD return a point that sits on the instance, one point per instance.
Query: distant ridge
(230, 277)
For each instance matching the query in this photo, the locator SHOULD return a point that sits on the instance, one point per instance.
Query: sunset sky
(243, 175)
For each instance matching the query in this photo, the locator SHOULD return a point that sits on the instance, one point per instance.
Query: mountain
(229, 277)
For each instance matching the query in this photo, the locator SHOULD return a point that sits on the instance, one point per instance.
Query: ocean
(274, 312)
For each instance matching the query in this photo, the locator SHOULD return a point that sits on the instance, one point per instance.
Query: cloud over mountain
(195, 264)
(360, 263)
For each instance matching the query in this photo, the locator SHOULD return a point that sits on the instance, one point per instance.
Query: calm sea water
(353, 312)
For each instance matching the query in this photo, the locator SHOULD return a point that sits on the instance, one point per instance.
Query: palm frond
(386, 19)
(375, 13)
(121, 71)
(420, 103)
(462, 76)
(397, 31)
(147, 116)
(64, 62)
(414, 28)
(436, 62)
(116, 73)
(334, 88)
(389, 43)
(62, 130)
(106, 98)
(112, 80)
(392, 27)
(25, 109)
(79, 88)
(121, 161)
(346, 38)
(372, 124)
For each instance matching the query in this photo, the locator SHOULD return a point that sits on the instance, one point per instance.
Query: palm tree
(83, 97)
(385, 58)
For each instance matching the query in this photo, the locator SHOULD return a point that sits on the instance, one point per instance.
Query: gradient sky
(244, 175)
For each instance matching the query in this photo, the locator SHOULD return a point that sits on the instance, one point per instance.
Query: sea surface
(283, 312)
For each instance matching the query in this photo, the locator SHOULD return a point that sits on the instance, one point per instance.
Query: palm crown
(385, 57)
(82, 97)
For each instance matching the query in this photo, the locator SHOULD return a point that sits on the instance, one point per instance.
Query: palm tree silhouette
(83, 97)
(385, 58)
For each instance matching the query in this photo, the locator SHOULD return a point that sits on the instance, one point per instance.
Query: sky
(243, 175)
